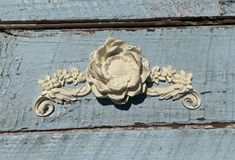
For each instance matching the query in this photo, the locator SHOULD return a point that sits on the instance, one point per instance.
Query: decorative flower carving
(117, 71)
(48, 83)
(156, 75)
(59, 79)
(76, 76)
(183, 78)
(61, 75)
(168, 72)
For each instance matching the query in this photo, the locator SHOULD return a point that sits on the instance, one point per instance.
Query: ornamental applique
(116, 71)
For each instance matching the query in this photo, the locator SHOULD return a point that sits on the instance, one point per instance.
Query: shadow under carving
(138, 99)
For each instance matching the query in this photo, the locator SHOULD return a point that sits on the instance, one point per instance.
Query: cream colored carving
(53, 90)
(116, 71)
(180, 85)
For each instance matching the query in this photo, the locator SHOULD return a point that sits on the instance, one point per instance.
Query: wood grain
(42, 10)
(214, 144)
(26, 56)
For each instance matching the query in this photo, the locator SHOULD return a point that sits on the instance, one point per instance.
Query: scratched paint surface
(110, 9)
(213, 144)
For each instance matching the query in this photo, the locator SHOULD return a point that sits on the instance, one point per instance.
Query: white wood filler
(116, 71)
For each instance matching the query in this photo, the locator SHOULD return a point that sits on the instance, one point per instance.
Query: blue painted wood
(26, 56)
(193, 144)
(19, 10)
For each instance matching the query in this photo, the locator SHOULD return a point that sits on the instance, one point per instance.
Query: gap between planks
(136, 126)
(118, 23)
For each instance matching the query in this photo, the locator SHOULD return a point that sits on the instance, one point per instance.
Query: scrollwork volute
(116, 71)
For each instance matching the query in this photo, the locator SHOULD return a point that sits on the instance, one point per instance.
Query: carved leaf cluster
(180, 84)
(60, 78)
(169, 74)
(51, 86)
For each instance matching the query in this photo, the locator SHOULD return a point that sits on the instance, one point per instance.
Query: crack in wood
(118, 23)
(137, 126)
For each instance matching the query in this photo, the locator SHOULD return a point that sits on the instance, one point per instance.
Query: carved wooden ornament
(116, 71)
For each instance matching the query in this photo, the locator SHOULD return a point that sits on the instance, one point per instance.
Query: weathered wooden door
(41, 36)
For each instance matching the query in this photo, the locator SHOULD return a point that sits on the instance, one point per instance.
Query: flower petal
(145, 70)
(40, 82)
(113, 51)
(155, 69)
(116, 85)
(133, 49)
(131, 56)
(69, 80)
(98, 71)
(117, 97)
(98, 54)
(135, 80)
(118, 43)
(95, 71)
(134, 91)
(144, 88)
(101, 86)
(135, 56)
(156, 81)
(123, 101)
(108, 41)
(89, 77)
(96, 92)
(47, 77)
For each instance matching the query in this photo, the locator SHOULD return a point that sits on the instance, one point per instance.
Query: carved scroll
(116, 71)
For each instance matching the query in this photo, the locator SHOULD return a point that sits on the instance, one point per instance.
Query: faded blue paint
(19, 10)
(186, 144)
(207, 52)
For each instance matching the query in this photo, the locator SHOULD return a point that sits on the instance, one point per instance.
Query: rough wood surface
(26, 56)
(214, 144)
(24, 10)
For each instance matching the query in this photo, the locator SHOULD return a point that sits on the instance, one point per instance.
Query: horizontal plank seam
(136, 126)
(118, 23)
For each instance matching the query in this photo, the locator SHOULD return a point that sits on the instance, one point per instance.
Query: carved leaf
(61, 95)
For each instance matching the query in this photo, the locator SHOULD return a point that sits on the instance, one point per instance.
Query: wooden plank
(227, 7)
(42, 10)
(214, 144)
(26, 56)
